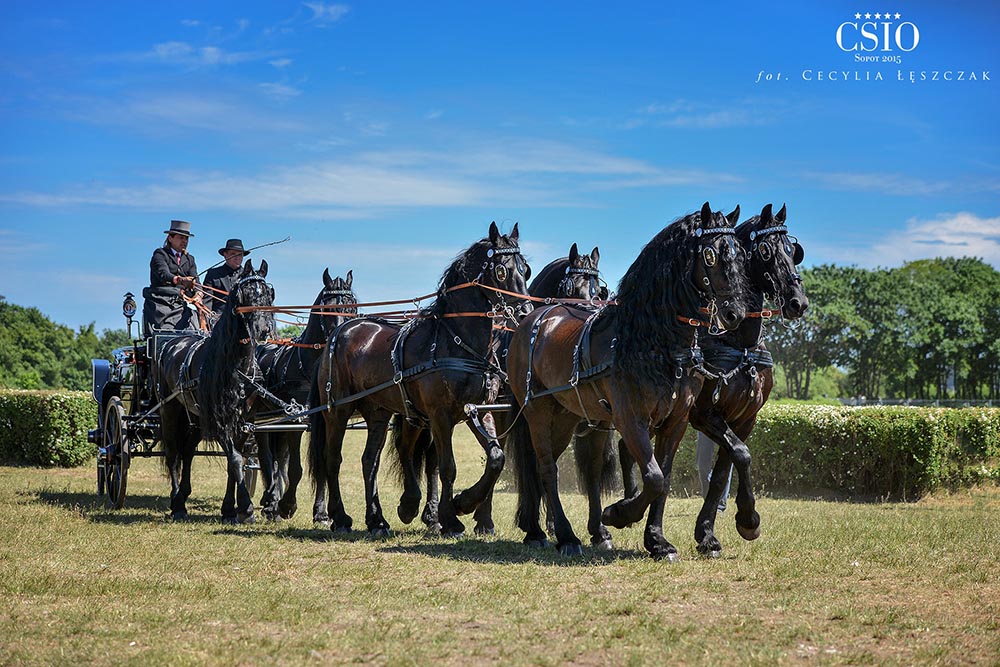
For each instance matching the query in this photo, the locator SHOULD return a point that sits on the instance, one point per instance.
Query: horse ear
(766, 216)
(706, 214)
(514, 234)
(595, 255)
(248, 267)
(734, 217)
(781, 214)
(574, 253)
(327, 280)
(494, 233)
(263, 268)
(350, 279)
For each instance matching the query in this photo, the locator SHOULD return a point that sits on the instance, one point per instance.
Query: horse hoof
(485, 530)
(453, 533)
(408, 509)
(287, 512)
(246, 519)
(340, 530)
(571, 549)
(272, 517)
(433, 530)
(229, 521)
(178, 516)
(604, 545)
(380, 533)
(464, 504)
(670, 555)
(536, 543)
(748, 534)
(619, 515)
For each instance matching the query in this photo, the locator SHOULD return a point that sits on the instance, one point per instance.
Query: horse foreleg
(667, 439)
(628, 511)
(470, 499)
(269, 476)
(441, 431)
(590, 449)
(336, 427)
(377, 422)
(290, 460)
(747, 518)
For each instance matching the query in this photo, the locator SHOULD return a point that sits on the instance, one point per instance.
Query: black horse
(574, 277)
(428, 371)
(206, 388)
(634, 364)
(288, 371)
(740, 365)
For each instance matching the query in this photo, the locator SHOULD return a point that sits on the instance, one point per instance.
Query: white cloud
(187, 55)
(948, 235)
(324, 14)
(280, 62)
(279, 90)
(434, 114)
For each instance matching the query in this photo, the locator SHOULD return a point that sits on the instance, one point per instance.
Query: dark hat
(179, 227)
(234, 244)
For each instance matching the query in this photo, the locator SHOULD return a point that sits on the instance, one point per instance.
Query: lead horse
(427, 371)
(205, 385)
(288, 370)
(634, 365)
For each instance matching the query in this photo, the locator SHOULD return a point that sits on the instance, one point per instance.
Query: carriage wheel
(117, 453)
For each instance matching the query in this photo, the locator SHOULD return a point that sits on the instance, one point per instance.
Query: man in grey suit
(171, 271)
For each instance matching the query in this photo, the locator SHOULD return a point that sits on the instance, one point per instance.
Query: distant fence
(920, 402)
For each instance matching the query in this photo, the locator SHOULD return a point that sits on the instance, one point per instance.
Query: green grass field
(826, 584)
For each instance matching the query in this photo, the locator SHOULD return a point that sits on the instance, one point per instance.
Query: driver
(172, 271)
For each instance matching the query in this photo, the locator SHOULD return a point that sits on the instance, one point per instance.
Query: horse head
(250, 292)
(717, 272)
(336, 292)
(582, 279)
(773, 256)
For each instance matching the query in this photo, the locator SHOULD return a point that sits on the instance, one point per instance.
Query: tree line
(929, 329)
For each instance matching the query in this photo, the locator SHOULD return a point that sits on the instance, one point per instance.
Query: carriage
(128, 419)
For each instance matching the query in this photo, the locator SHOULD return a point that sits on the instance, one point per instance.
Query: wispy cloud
(280, 63)
(279, 90)
(434, 114)
(894, 183)
(186, 55)
(527, 172)
(683, 113)
(947, 235)
(325, 14)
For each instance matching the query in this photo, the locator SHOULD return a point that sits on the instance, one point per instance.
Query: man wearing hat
(171, 270)
(223, 277)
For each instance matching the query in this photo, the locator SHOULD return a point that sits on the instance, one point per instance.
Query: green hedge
(874, 452)
(46, 428)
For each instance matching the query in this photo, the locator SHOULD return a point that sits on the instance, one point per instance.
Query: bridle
(708, 292)
(342, 297)
(244, 311)
(766, 253)
(566, 284)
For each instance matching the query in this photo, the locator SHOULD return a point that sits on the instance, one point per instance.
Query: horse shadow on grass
(138, 508)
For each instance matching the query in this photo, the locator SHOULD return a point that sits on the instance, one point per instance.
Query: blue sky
(384, 137)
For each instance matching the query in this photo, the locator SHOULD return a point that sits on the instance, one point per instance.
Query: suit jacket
(221, 278)
(162, 306)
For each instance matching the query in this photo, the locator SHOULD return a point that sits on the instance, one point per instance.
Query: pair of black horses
(681, 341)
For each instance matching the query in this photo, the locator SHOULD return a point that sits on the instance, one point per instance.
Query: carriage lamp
(128, 310)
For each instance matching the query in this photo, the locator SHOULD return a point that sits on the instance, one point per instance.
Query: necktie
(178, 256)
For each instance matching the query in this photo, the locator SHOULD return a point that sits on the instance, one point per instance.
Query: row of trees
(36, 353)
(927, 330)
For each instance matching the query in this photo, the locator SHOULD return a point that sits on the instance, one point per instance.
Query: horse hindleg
(377, 422)
(589, 453)
(627, 463)
(289, 460)
(704, 527)
(175, 436)
(667, 439)
(430, 515)
(408, 440)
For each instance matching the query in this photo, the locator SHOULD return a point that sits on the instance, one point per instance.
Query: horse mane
(464, 268)
(654, 290)
(553, 272)
(219, 401)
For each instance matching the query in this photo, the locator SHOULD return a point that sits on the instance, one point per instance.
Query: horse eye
(709, 255)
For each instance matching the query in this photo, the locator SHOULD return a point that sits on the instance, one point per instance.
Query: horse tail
(596, 458)
(527, 481)
(396, 457)
(317, 439)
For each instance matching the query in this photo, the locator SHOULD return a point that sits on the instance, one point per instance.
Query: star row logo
(878, 15)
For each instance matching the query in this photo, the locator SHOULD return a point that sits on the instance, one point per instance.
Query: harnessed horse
(427, 370)
(634, 364)
(202, 384)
